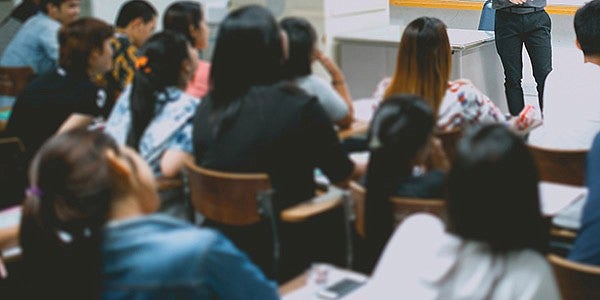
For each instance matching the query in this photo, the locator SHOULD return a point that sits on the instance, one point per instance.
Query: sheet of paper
(309, 291)
(10, 217)
(555, 197)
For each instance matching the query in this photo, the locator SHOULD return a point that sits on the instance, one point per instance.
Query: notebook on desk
(555, 197)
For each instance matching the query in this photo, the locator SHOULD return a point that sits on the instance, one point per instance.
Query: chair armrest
(357, 127)
(163, 183)
(313, 207)
(563, 233)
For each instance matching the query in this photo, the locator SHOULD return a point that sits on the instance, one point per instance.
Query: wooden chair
(241, 199)
(449, 140)
(13, 173)
(359, 193)
(560, 166)
(14, 79)
(404, 207)
(575, 280)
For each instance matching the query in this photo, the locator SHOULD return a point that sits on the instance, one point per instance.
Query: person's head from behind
(423, 62)
(78, 181)
(248, 52)
(63, 11)
(166, 60)
(187, 18)
(85, 47)
(137, 18)
(398, 136)
(493, 191)
(301, 45)
(587, 28)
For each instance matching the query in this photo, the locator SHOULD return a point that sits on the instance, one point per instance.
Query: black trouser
(512, 32)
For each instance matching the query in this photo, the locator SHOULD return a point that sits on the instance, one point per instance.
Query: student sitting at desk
(399, 139)
(252, 121)
(187, 18)
(494, 244)
(154, 115)
(86, 233)
(423, 68)
(335, 97)
(68, 96)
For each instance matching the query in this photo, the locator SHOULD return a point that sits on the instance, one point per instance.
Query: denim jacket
(156, 257)
(171, 127)
(34, 45)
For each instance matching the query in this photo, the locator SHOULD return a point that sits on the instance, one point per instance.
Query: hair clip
(33, 191)
(142, 64)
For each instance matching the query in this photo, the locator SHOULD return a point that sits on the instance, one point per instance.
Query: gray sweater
(497, 4)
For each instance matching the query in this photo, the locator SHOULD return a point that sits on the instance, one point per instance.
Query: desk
(358, 127)
(300, 289)
(368, 56)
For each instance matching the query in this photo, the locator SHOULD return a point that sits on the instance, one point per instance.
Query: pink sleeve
(198, 86)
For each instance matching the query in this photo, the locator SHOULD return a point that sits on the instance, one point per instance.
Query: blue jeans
(514, 30)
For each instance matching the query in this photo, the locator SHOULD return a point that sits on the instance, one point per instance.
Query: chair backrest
(449, 140)
(227, 198)
(560, 166)
(404, 207)
(13, 174)
(14, 79)
(575, 280)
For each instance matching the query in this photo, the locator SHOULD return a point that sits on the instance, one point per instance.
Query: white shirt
(571, 108)
(422, 261)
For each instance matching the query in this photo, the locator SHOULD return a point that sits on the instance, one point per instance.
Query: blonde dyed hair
(424, 62)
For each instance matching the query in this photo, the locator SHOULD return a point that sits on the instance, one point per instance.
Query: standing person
(518, 23)
(135, 23)
(36, 43)
(187, 18)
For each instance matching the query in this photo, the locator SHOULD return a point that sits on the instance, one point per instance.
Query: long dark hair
(493, 191)
(400, 128)
(248, 52)
(301, 39)
(160, 67)
(63, 215)
(424, 61)
(180, 15)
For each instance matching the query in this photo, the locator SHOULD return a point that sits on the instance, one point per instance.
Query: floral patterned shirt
(463, 104)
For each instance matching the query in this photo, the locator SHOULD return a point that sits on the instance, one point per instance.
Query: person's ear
(119, 166)
(577, 44)
(52, 10)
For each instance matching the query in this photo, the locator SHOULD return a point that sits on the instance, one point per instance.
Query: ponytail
(63, 216)
(158, 67)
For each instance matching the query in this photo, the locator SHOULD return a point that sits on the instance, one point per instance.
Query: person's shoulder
(183, 237)
(282, 93)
